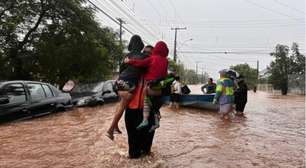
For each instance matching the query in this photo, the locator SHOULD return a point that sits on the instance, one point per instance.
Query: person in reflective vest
(224, 95)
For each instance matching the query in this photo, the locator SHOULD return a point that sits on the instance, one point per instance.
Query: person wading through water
(224, 95)
(139, 140)
(241, 96)
(157, 68)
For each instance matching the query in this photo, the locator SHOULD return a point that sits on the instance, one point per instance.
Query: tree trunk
(16, 51)
(284, 89)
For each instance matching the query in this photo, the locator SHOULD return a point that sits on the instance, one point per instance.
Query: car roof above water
(20, 81)
(89, 87)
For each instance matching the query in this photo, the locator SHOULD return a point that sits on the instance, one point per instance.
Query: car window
(48, 91)
(36, 91)
(55, 91)
(15, 92)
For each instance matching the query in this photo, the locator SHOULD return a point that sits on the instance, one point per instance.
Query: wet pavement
(273, 135)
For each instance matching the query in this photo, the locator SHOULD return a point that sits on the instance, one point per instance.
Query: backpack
(185, 89)
(164, 84)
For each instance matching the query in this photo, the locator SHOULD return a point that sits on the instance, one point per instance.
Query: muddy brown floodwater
(271, 136)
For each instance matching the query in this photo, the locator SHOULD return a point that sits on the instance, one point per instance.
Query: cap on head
(223, 72)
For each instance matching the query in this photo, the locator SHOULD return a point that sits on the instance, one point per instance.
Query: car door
(51, 98)
(40, 104)
(18, 100)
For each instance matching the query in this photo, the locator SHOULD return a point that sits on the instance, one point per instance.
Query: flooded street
(271, 136)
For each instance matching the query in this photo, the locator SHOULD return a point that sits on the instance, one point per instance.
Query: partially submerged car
(30, 98)
(93, 94)
(110, 93)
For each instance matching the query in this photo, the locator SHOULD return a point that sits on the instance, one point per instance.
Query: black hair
(135, 44)
(211, 79)
(177, 78)
(242, 84)
(149, 46)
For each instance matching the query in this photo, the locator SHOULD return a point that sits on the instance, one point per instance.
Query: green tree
(177, 67)
(297, 69)
(187, 76)
(280, 68)
(54, 40)
(249, 73)
(297, 60)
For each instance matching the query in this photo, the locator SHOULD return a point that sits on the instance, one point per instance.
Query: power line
(268, 9)
(243, 24)
(134, 14)
(238, 26)
(115, 12)
(288, 6)
(106, 14)
(175, 11)
(177, 14)
(221, 59)
(241, 21)
(133, 18)
(222, 52)
(113, 19)
(110, 17)
(155, 9)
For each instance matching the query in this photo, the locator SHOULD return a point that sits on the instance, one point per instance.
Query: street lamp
(184, 42)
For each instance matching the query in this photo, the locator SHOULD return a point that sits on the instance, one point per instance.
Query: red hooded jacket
(156, 64)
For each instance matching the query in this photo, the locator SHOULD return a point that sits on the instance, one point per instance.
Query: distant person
(177, 92)
(127, 81)
(241, 96)
(255, 89)
(210, 87)
(224, 95)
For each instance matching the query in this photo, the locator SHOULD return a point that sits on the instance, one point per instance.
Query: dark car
(110, 93)
(29, 98)
(88, 94)
(93, 94)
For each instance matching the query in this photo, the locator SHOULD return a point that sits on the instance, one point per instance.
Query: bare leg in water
(125, 98)
(230, 116)
(147, 107)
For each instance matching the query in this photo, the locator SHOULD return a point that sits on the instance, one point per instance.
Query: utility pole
(175, 41)
(121, 22)
(257, 70)
(202, 80)
(197, 62)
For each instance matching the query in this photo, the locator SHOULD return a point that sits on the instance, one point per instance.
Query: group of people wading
(230, 92)
(142, 82)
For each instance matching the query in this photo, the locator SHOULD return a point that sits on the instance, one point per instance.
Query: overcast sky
(250, 27)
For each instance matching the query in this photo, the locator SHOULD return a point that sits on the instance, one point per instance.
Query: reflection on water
(271, 136)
